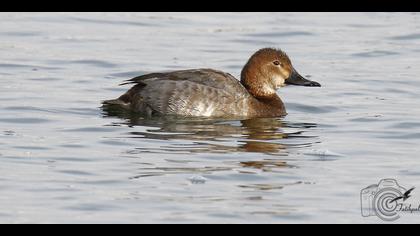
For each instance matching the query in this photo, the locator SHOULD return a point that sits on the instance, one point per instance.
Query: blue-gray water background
(65, 160)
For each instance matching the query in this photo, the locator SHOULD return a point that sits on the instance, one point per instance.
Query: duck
(213, 93)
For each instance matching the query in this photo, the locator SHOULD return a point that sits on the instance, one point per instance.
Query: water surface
(63, 159)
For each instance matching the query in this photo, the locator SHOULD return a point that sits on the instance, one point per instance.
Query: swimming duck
(213, 93)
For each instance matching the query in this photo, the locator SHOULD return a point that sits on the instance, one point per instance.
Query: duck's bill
(296, 79)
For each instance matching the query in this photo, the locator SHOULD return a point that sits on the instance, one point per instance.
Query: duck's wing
(188, 92)
(208, 77)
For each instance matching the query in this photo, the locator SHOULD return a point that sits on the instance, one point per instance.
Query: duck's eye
(277, 63)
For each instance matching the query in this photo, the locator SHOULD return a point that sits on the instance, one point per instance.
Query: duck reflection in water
(206, 135)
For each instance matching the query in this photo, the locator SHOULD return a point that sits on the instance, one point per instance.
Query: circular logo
(385, 205)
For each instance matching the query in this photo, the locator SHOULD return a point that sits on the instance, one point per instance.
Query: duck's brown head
(269, 69)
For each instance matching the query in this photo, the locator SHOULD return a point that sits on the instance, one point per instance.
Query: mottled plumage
(199, 92)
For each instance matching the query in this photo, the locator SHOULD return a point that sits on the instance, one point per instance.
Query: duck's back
(200, 92)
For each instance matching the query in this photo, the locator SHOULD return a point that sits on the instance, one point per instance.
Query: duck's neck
(265, 102)
(270, 106)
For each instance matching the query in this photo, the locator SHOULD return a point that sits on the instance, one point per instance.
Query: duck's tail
(116, 102)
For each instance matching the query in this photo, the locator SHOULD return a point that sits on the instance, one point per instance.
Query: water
(65, 160)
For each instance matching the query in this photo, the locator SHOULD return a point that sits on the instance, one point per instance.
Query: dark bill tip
(296, 79)
(312, 84)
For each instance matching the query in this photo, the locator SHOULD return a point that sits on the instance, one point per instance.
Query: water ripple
(375, 53)
(414, 36)
(280, 34)
(311, 109)
(111, 22)
(28, 120)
